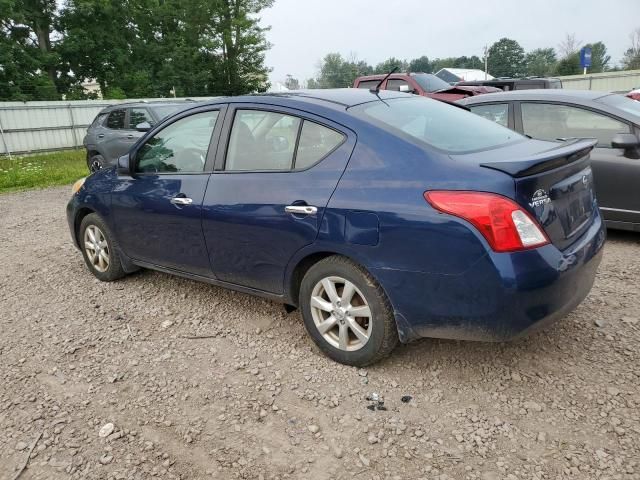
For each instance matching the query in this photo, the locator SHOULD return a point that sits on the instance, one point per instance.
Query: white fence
(606, 82)
(27, 127)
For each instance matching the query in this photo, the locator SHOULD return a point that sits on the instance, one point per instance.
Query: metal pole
(486, 63)
(73, 127)
(585, 71)
(4, 141)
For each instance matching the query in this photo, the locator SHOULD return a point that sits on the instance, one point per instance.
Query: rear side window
(548, 121)
(316, 142)
(262, 141)
(435, 123)
(138, 116)
(498, 113)
(116, 120)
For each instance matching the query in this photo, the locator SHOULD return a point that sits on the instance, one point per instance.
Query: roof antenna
(377, 89)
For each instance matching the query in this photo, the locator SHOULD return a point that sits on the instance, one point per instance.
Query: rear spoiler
(568, 152)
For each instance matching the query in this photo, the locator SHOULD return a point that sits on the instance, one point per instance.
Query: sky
(303, 31)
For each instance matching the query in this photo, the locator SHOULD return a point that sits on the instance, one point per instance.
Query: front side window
(548, 121)
(180, 147)
(262, 141)
(498, 113)
(138, 116)
(116, 120)
(435, 123)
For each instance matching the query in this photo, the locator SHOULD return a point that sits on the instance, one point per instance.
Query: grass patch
(42, 170)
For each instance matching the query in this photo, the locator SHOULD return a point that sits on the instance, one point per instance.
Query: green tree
(506, 59)
(390, 64)
(540, 62)
(631, 59)
(569, 65)
(422, 64)
(337, 72)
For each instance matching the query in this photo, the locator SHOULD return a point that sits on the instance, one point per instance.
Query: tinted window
(369, 84)
(551, 122)
(137, 116)
(262, 141)
(435, 123)
(315, 143)
(496, 113)
(116, 120)
(395, 83)
(180, 147)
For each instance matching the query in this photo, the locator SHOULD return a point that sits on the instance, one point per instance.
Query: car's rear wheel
(95, 162)
(99, 249)
(347, 313)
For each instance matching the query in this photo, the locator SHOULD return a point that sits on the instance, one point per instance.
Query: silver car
(116, 128)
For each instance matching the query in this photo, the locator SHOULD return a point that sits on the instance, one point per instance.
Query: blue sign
(585, 57)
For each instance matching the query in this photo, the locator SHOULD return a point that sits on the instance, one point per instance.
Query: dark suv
(117, 127)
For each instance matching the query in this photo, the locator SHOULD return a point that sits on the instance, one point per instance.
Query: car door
(267, 198)
(135, 116)
(158, 208)
(109, 137)
(616, 177)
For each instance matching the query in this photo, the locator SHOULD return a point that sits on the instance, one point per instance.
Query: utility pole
(486, 62)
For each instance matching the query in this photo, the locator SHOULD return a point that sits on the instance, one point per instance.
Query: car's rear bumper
(502, 296)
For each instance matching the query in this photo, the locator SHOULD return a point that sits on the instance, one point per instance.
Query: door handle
(101, 135)
(129, 136)
(301, 209)
(181, 201)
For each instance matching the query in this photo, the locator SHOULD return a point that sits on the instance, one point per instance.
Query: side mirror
(124, 165)
(143, 127)
(628, 142)
(406, 89)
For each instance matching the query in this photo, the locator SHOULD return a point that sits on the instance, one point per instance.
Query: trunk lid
(555, 185)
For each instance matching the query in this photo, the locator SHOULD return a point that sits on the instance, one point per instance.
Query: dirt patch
(256, 400)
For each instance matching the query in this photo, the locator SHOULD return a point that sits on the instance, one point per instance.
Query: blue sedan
(383, 217)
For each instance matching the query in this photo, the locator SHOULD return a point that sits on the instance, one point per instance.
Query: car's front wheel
(99, 249)
(347, 313)
(95, 162)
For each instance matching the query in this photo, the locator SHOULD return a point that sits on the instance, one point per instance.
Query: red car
(423, 84)
(634, 94)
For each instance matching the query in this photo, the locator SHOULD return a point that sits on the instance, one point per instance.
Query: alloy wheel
(341, 313)
(97, 248)
(95, 165)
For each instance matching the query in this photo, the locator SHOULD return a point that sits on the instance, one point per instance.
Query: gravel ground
(160, 376)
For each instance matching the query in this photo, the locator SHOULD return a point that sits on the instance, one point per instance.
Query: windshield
(435, 123)
(431, 83)
(623, 103)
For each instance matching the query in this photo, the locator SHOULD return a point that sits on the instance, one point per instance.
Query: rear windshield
(437, 124)
(623, 103)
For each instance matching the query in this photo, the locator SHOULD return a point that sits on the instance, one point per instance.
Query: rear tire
(346, 312)
(99, 249)
(95, 162)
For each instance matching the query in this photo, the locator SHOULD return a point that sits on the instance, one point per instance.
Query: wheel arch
(77, 221)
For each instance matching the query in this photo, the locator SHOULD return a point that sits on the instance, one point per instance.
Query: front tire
(99, 249)
(346, 312)
(95, 162)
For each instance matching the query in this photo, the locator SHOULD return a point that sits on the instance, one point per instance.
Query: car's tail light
(501, 221)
